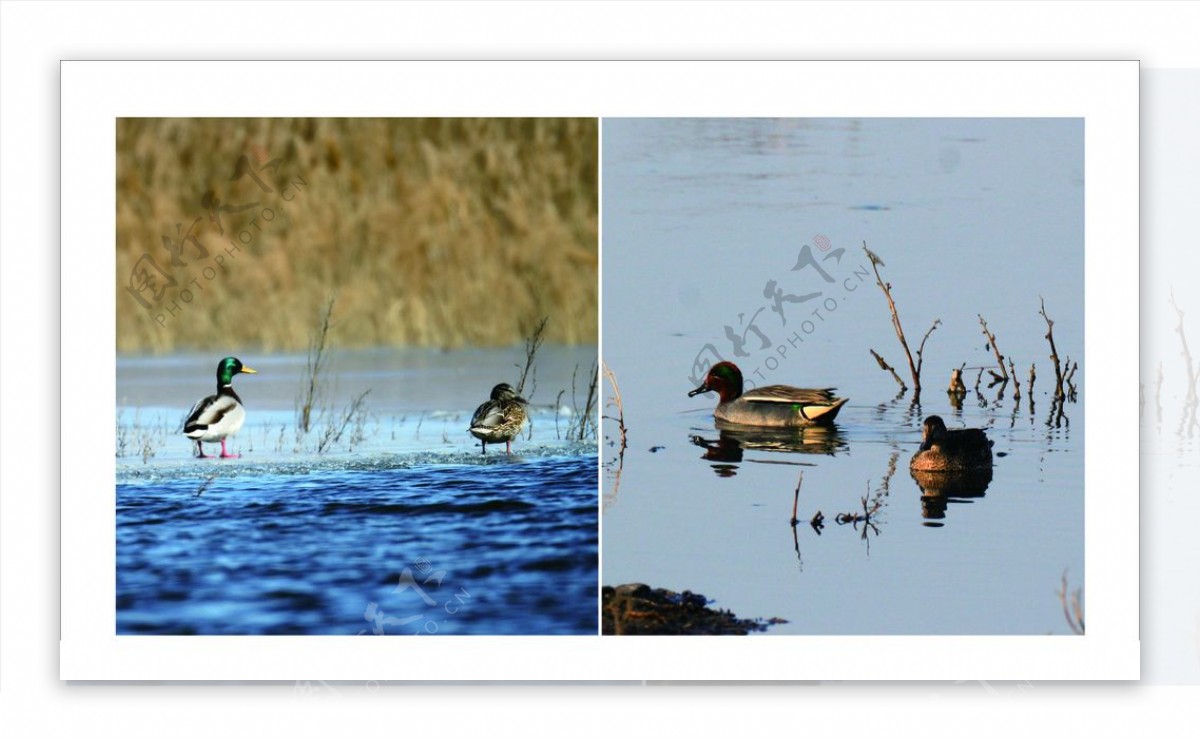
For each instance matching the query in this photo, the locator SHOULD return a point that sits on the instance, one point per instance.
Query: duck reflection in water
(728, 450)
(939, 489)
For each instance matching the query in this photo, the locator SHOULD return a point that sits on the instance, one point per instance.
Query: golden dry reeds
(432, 232)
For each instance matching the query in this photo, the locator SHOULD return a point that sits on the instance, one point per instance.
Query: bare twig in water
(921, 349)
(1058, 373)
(312, 386)
(335, 428)
(884, 366)
(533, 342)
(869, 509)
(887, 292)
(995, 349)
(1012, 371)
(1185, 353)
(615, 402)
(583, 420)
(1069, 380)
(1072, 605)
(122, 435)
(557, 408)
(796, 499)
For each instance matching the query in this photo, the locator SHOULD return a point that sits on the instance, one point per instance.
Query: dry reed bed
(431, 232)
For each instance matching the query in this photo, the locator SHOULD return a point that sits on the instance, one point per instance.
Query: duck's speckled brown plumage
(500, 418)
(768, 406)
(951, 450)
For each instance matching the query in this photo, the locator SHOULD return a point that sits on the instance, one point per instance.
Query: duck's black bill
(698, 391)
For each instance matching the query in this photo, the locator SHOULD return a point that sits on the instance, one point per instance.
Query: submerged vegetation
(432, 232)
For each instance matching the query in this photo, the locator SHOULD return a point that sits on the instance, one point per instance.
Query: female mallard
(500, 418)
(945, 450)
(769, 406)
(218, 416)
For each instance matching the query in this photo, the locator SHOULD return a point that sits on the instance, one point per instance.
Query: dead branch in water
(584, 418)
(1186, 354)
(1058, 373)
(314, 366)
(615, 401)
(884, 366)
(921, 349)
(796, 499)
(992, 341)
(1069, 379)
(887, 292)
(336, 427)
(611, 496)
(1012, 371)
(1073, 611)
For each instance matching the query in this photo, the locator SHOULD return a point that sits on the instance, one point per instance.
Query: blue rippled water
(390, 546)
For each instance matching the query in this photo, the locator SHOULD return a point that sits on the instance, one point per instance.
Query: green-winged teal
(220, 415)
(768, 406)
(499, 418)
(949, 450)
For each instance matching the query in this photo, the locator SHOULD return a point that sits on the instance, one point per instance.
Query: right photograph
(844, 370)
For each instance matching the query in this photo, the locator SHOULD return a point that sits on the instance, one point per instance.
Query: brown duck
(946, 450)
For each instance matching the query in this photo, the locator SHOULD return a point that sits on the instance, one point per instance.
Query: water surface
(706, 224)
(398, 525)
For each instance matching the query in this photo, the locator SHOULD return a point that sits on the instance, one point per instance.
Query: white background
(1103, 93)
(33, 702)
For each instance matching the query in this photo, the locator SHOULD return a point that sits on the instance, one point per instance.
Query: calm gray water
(395, 525)
(705, 224)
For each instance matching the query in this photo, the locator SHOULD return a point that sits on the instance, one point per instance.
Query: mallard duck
(951, 450)
(500, 418)
(220, 415)
(769, 406)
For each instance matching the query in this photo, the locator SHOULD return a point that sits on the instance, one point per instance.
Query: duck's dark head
(725, 379)
(933, 428)
(505, 392)
(230, 367)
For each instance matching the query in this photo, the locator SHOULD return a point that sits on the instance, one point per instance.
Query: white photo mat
(95, 94)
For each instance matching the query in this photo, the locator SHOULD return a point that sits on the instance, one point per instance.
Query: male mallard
(500, 418)
(951, 450)
(218, 416)
(769, 406)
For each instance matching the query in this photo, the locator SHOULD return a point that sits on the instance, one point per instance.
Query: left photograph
(357, 376)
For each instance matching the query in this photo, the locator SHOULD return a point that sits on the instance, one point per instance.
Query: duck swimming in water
(770, 405)
(951, 450)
